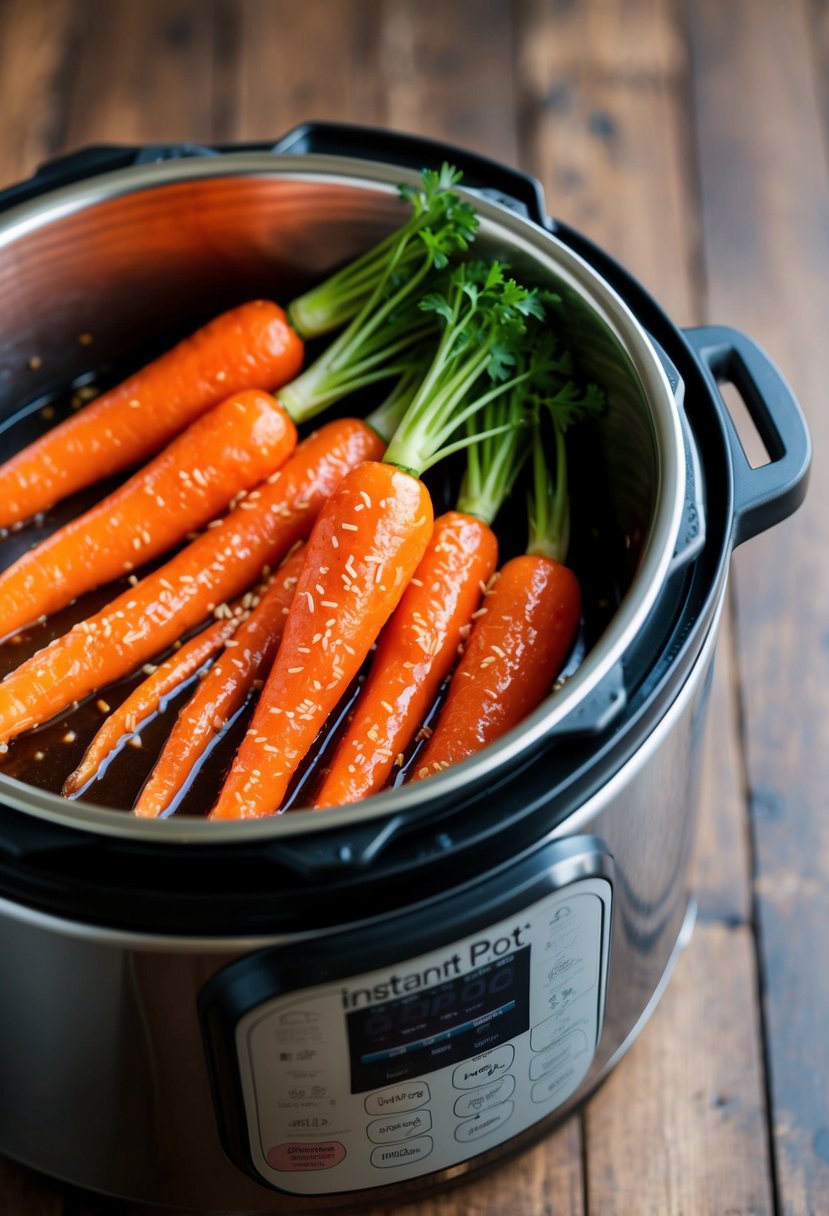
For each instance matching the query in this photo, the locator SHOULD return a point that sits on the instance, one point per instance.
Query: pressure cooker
(316, 1011)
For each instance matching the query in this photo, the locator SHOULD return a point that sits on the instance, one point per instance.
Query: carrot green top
(439, 224)
(549, 501)
(487, 348)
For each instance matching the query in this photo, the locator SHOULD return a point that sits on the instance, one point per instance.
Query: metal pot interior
(135, 256)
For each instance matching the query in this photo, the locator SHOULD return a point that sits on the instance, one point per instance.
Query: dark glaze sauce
(46, 756)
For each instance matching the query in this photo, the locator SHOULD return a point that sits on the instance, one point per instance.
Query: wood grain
(766, 225)
(608, 133)
(34, 56)
(677, 1147)
(687, 137)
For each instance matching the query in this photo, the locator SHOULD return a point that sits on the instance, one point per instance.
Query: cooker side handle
(510, 187)
(766, 495)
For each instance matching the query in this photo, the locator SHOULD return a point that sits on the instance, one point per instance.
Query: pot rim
(549, 253)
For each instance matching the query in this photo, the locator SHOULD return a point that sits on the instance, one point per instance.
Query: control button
(402, 1154)
(399, 1127)
(556, 1087)
(312, 1156)
(486, 1096)
(562, 1051)
(406, 1096)
(486, 1067)
(482, 1125)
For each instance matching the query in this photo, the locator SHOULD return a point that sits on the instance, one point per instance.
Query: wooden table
(689, 138)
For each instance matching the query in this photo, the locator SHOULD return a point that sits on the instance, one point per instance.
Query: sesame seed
(416, 582)
(387, 707)
(335, 543)
(294, 671)
(70, 737)
(349, 527)
(103, 706)
(40, 756)
(135, 742)
(310, 599)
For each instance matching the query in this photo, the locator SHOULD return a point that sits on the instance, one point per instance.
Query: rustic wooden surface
(689, 137)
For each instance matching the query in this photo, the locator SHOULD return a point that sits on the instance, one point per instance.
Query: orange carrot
(380, 521)
(247, 658)
(251, 346)
(230, 449)
(514, 653)
(217, 566)
(365, 546)
(146, 698)
(414, 654)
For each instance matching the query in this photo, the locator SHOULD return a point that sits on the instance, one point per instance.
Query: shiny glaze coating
(365, 547)
(219, 565)
(415, 653)
(251, 346)
(147, 697)
(232, 448)
(514, 653)
(247, 658)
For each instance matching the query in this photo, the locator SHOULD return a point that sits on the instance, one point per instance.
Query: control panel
(410, 1069)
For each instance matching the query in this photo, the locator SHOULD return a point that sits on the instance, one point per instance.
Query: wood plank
(297, 62)
(33, 63)
(766, 223)
(607, 132)
(142, 72)
(668, 1149)
(602, 125)
(447, 73)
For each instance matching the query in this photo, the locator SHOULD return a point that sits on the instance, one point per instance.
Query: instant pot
(358, 1005)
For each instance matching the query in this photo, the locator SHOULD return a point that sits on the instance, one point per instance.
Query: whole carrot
(252, 346)
(217, 566)
(230, 449)
(514, 653)
(529, 620)
(420, 643)
(365, 546)
(246, 659)
(370, 537)
(414, 654)
(146, 698)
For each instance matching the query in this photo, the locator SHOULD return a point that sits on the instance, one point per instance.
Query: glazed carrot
(414, 654)
(217, 566)
(365, 546)
(247, 658)
(251, 346)
(530, 616)
(514, 653)
(230, 449)
(146, 699)
(370, 537)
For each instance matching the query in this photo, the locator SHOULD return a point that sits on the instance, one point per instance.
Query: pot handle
(509, 187)
(766, 495)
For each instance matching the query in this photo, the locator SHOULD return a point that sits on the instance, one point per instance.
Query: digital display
(439, 1025)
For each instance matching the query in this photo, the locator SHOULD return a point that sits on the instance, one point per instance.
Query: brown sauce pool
(45, 757)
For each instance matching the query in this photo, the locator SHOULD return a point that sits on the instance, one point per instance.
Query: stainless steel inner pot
(129, 255)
